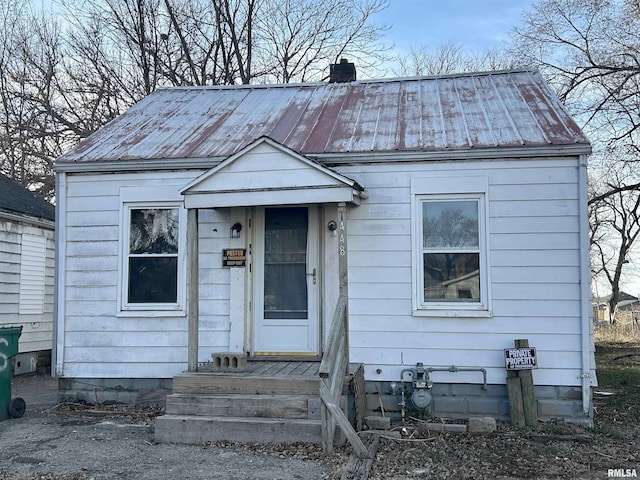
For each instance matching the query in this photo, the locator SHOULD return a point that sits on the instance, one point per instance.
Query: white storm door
(286, 314)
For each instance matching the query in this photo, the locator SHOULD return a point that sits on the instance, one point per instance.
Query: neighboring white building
(466, 230)
(27, 256)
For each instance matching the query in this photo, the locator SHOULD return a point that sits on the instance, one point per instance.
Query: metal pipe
(454, 369)
(587, 376)
(450, 369)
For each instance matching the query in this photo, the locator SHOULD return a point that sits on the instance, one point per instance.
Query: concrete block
(481, 425)
(229, 362)
(378, 423)
(545, 391)
(558, 408)
(126, 397)
(467, 390)
(569, 393)
(449, 405)
(115, 383)
(486, 406)
(156, 396)
(441, 390)
(389, 403)
(377, 387)
(446, 427)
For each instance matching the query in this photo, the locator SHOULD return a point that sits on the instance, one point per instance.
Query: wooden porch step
(200, 429)
(270, 402)
(214, 384)
(264, 406)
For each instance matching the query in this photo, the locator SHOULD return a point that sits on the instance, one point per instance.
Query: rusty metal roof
(427, 114)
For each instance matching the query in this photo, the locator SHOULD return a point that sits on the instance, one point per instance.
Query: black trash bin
(9, 348)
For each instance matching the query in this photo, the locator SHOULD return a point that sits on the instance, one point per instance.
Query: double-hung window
(152, 262)
(450, 243)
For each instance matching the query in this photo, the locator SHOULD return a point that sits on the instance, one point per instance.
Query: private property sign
(520, 358)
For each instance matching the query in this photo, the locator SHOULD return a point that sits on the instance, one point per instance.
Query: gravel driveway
(111, 447)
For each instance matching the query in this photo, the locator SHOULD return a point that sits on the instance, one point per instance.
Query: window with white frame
(151, 260)
(450, 258)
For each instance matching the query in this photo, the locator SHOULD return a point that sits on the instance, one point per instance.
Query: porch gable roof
(266, 172)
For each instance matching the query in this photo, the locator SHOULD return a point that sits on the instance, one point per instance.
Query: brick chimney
(342, 72)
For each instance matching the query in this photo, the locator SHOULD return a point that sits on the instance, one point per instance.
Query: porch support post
(193, 289)
(343, 276)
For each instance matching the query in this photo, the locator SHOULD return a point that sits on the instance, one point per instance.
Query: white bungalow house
(27, 253)
(212, 226)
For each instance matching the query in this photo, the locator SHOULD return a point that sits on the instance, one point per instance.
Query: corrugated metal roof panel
(470, 111)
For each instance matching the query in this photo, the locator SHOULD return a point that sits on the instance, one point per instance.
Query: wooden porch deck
(276, 368)
(272, 401)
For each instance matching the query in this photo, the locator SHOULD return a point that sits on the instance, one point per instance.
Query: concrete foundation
(131, 391)
(461, 401)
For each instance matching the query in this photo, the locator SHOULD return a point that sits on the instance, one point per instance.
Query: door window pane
(285, 263)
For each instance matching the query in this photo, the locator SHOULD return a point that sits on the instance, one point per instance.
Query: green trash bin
(8, 349)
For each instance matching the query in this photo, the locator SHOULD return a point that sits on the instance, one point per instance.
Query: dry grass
(623, 331)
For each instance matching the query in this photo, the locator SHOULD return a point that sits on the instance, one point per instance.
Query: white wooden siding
(36, 322)
(248, 172)
(99, 341)
(534, 257)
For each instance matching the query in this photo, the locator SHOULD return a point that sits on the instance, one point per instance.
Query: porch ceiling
(268, 173)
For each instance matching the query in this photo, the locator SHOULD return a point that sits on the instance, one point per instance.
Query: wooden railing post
(343, 272)
(194, 289)
(335, 361)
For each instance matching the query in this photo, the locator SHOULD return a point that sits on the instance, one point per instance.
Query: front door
(286, 282)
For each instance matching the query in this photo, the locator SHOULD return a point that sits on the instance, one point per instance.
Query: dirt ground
(78, 443)
(551, 451)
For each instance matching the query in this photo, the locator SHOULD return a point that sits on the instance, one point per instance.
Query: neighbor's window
(152, 257)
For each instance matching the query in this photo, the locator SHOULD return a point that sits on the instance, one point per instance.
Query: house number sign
(342, 249)
(234, 257)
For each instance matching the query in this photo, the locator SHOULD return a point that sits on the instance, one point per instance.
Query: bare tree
(61, 81)
(299, 38)
(589, 50)
(28, 60)
(447, 58)
(614, 228)
(199, 42)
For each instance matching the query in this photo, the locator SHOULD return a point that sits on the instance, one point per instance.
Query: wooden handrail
(336, 336)
(333, 369)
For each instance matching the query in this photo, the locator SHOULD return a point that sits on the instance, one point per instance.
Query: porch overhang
(272, 196)
(268, 173)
